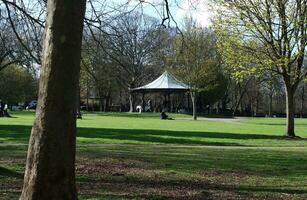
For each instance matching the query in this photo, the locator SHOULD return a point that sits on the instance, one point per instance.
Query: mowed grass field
(132, 156)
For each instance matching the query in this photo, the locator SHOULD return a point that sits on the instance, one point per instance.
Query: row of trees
(246, 46)
(227, 69)
(252, 41)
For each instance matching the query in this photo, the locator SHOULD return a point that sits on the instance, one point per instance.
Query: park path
(227, 120)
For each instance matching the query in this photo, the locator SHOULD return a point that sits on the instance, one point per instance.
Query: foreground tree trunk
(50, 168)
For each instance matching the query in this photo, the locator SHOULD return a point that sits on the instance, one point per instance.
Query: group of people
(3, 109)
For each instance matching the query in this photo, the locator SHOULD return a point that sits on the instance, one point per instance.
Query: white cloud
(197, 9)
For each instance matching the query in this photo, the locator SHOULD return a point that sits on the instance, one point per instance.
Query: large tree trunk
(290, 111)
(50, 168)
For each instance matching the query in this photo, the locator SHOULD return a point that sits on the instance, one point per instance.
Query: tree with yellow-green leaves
(265, 35)
(195, 61)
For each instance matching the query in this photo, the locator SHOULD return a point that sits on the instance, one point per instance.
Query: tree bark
(50, 167)
(290, 111)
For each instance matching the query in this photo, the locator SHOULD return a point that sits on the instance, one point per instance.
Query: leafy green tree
(17, 85)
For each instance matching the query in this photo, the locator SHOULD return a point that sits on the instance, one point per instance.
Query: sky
(197, 9)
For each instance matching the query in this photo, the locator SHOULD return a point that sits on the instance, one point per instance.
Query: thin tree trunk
(130, 103)
(193, 98)
(271, 104)
(87, 95)
(143, 102)
(50, 168)
(78, 111)
(302, 101)
(120, 101)
(106, 103)
(239, 103)
(241, 97)
(188, 101)
(101, 103)
(169, 109)
(290, 111)
(257, 102)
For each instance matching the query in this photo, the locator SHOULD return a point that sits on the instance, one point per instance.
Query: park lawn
(147, 128)
(132, 156)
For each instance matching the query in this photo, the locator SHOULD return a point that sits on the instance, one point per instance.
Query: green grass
(132, 156)
(125, 128)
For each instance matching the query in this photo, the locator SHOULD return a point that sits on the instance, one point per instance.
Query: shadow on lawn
(279, 124)
(9, 173)
(20, 133)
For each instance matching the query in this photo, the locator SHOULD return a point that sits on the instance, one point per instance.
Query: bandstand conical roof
(166, 82)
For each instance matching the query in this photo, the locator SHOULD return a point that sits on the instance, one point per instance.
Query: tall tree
(50, 168)
(274, 34)
(196, 61)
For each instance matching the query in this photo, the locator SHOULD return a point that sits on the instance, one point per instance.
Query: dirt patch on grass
(111, 178)
(108, 174)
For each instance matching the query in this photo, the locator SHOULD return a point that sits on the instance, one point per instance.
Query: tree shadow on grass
(279, 124)
(15, 133)
(20, 133)
(170, 137)
(10, 173)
